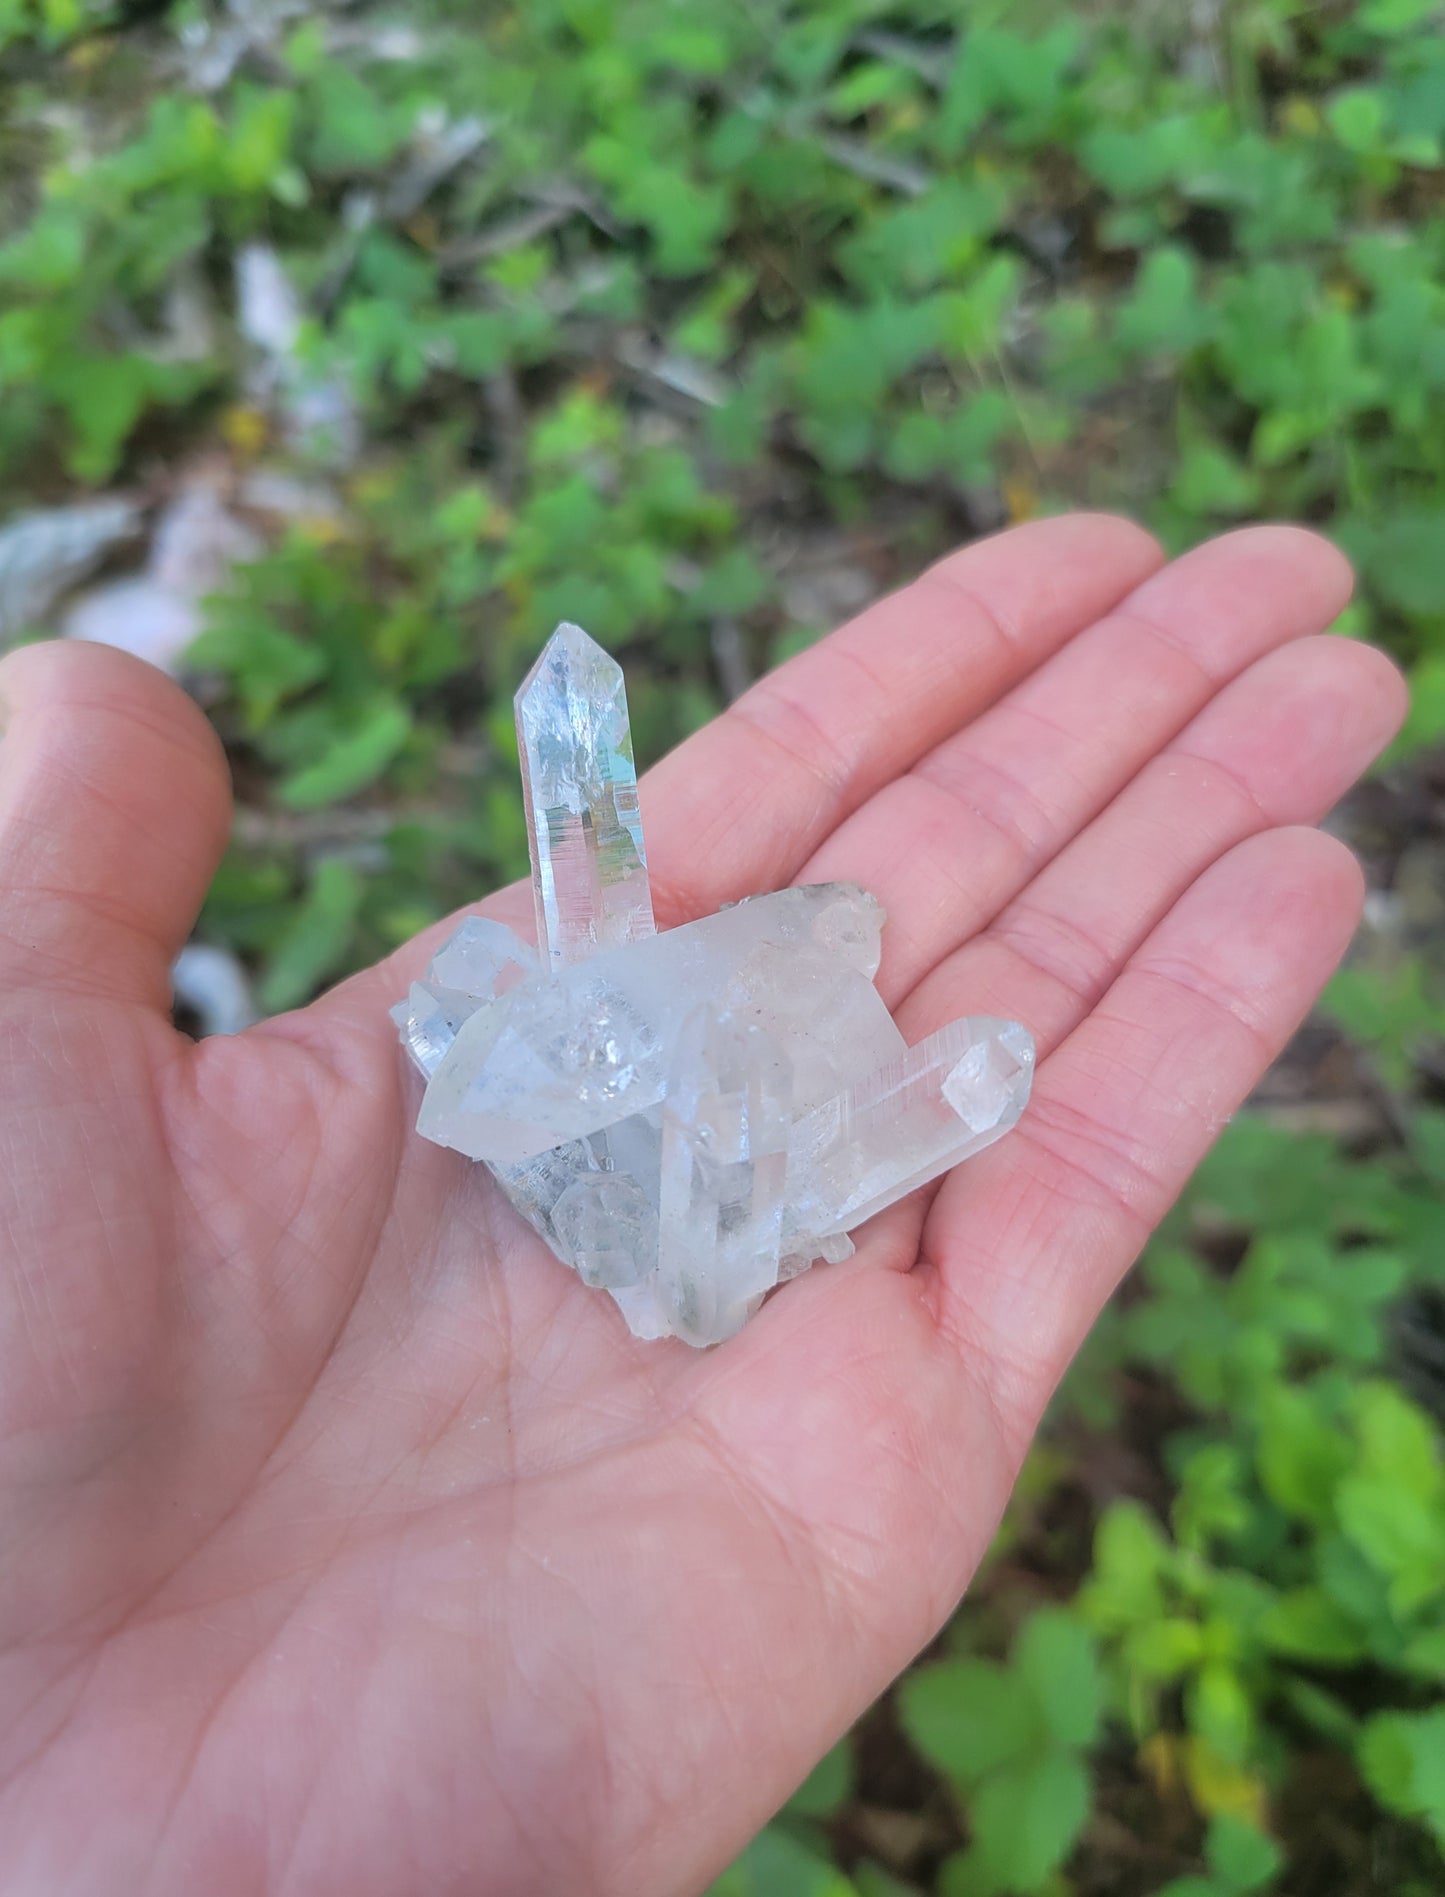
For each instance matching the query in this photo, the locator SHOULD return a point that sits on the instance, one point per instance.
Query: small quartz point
(589, 872)
(482, 960)
(692, 1118)
(430, 1019)
(609, 1228)
(936, 1105)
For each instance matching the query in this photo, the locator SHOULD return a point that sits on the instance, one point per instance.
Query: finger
(114, 810)
(1028, 1241)
(1279, 746)
(742, 804)
(949, 843)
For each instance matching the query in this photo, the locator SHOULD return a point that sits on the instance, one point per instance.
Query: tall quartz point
(589, 874)
(692, 1118)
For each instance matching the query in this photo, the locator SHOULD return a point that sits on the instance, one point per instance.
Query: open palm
(347, 1543)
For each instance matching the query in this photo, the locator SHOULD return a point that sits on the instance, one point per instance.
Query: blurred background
(344, 349)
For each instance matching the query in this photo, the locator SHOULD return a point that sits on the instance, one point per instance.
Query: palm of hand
(349, 1542)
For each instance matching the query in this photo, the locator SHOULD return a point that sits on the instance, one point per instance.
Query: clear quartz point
(692, 1118)
(609, 1228)
(589, 872)
(935, 1105)
(484, 958)
(430, 1019)
(480, 961)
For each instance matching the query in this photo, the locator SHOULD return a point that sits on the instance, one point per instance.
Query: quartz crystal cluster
(688, 1118)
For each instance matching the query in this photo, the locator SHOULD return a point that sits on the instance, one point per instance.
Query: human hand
(349, 1543)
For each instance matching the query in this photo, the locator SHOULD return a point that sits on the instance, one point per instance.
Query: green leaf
(1402, 1757)
(1164, 1650)
(1393, 1010)
(1405, 558)
(1428, 1134)
(1357, 1587)
(48, 255)
(317, 939)
(841, 441)
(350, 761)
(973, 431)
(917, 447)
(1398, 1443)
(258, 138)
(1301, 1456)
(1389, 17)
(1424, 1654)
(1165, 312)
(971, 319)
(266, 665)
(874, 83)
(967, 1717)
(1027, 1818)
(104, 397)
(827, 1786)
(1387, 1759)
(1321, 1712)
(1057, 1658)
(248, 903)
(355, 129)
(777, 1864)
(1211, 480)
(690, 46)
(733, 583)
(1220, 1711)
(686, 217)
(935, 239)
(1282, 434)
(1018, 79)
(1130, 1557)
(480, 341)
(1398, 1534)
(1307, 1625)
(707, 329)
(871, 1880)
(1241, 1857)
(1357, 118)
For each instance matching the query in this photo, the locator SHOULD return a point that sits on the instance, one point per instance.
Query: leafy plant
(1238, 1860)
(649, 313)
(1012, 1739)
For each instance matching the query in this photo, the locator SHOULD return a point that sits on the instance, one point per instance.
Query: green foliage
(983, 256)
(1011, 1739)
(1306, 1539)
(776, 1864)
(1403, 1757)
(1395, 1010)
(314, 942)
(1238, 1860)
(1292, 1600)
(713, 280)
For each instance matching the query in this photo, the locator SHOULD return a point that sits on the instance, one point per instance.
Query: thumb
(115, 805)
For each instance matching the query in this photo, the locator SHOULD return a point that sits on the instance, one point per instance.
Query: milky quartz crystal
(689, 1118)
